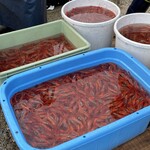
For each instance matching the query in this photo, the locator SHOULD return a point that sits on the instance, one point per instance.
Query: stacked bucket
(93, 48)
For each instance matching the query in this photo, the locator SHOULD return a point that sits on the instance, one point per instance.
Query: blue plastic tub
(104, 138)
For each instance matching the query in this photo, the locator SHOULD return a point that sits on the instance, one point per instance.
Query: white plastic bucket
(138, 50)
(99, 35)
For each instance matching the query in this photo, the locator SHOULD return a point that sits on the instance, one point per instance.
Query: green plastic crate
(40, 32)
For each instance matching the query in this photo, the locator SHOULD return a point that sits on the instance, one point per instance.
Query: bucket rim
(123, 38)
(90, 24)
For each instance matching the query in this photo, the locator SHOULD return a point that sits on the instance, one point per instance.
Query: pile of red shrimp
(137, 32)
(90, 14)
(35, 51)
(69, 106)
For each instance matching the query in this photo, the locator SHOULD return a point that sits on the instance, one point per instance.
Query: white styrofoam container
(138, 50)
(99, 35)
